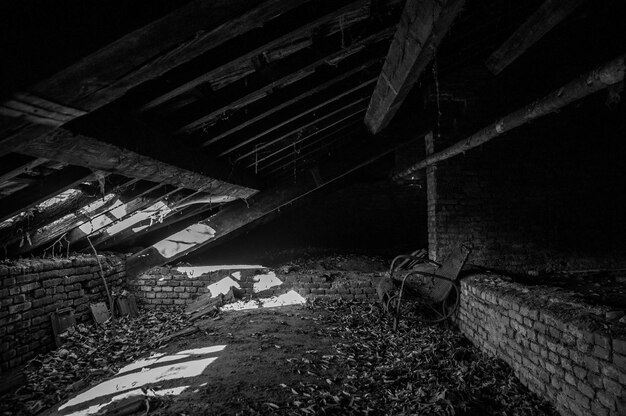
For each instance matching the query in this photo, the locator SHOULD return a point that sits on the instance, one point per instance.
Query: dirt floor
(320, 358)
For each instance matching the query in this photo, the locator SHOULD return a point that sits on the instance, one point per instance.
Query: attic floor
(322, 358)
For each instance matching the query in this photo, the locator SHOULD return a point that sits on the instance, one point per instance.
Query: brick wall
(527, 202)
(559, 348)
(31, 290)
(167, 286)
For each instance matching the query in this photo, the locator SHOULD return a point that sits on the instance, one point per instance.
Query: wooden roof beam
(288, 73)
(19, 164)
(290, 102)
(229, 219)
(300, 115)
(600, 78)
(44, 189)
(301, 139)
(55, 229)
(423, 25)
(547, 16)
(82, 150)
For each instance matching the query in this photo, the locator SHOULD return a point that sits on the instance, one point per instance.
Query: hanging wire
(437, 97)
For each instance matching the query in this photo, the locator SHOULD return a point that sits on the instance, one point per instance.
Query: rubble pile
(89, 354)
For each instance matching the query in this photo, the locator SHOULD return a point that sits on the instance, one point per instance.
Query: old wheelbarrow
(430, 284)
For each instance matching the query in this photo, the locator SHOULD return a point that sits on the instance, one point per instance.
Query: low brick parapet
(560, 347)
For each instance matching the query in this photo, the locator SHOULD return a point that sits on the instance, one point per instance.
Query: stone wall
(166, 286)
(31, 290)
(528, 203)
(560, 348)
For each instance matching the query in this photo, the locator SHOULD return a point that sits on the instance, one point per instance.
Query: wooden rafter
(304, 29)
(600, 78)
(82, 150)
(42, 190)
(423, 25)
(301, 139)
(20, 164)
(287, 74)
(232, 218)
(290, 102)
(547, 16)
(309, 110)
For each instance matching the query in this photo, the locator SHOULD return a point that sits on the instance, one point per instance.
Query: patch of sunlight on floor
(146, 376)
(265, 281)
(192, 271)
(286, 299)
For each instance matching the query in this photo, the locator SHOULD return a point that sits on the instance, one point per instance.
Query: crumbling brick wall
(32, 289)
(165, 286)
(526, 202)
(560, 348)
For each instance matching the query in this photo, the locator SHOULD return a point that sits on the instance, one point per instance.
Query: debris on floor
(89, 353)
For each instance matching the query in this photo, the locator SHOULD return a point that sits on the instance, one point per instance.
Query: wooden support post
(228, 220)
(549, 14)
(45, 188)
(423, 25)
(596, 80)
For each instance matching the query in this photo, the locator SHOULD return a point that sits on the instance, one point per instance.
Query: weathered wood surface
(19, 164)
(81, 150)
(247, 56)
(53, 230)
(299, 115)
(600, 78)
(283, 74)
(303, 138)
(290, 102)
(423, 25)
(547, 16)
(228, 220)
(43, 189)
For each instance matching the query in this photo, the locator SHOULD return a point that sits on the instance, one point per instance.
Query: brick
(586, 389)
(580, 372)
(620, 361)
(613, 387)
(601, 353)
(598, 409)
(20, 307)
(602, 341)
(619, 346)
(610, 371)
(606, 400)
(592, 364)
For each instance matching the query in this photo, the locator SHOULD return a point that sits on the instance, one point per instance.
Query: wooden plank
(298, 140)
(600, 78)
(229, 219)
(290, 102)
(423, 25)
(57, 228)
(547, 16)
(320, 139)
(304, 29)
(286, 74)
(299, 115)
(45, 188)
(154, 49)
(19, 164)
(82, 150)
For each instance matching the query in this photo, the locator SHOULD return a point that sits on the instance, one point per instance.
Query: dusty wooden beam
(305, 137)
(354, 106)
(229, 219)
(45, 188)
(295, 34)
(422, 27)
(81, 150)
(309, 110)
(53, 230)
(20, 164)
(547, 16)
(596, 80)
(232, 98)
(290, 102)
